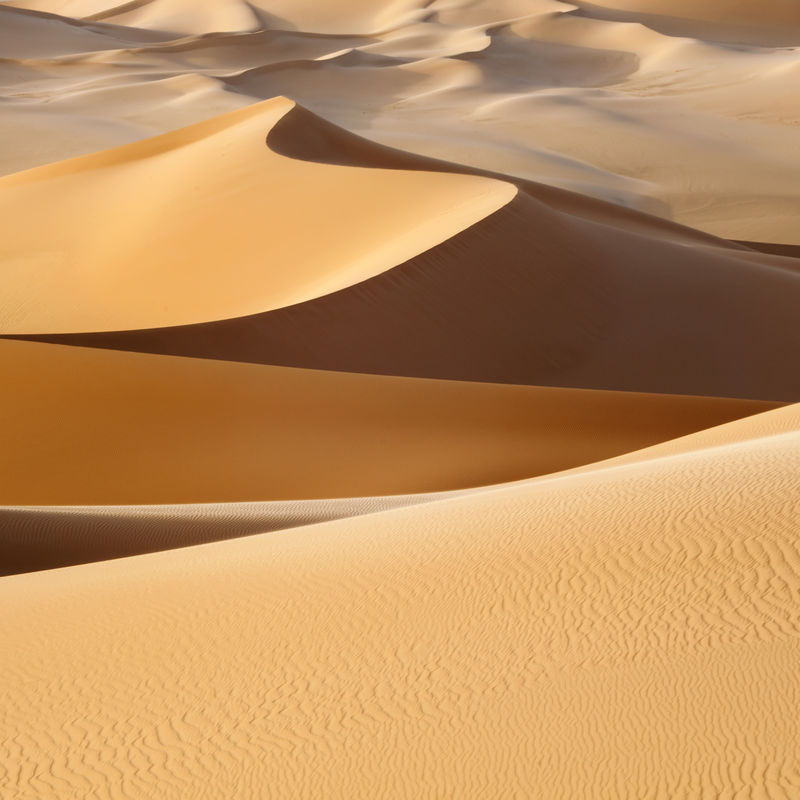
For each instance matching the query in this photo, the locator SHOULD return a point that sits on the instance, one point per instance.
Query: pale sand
(603, 98)
(627, 632)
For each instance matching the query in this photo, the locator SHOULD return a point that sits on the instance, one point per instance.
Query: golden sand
(400, 399)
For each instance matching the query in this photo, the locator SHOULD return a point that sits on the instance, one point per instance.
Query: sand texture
(588, 634)
(400, 399)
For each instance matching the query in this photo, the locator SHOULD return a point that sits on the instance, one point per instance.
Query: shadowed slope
(46, 537)
(787, 250)
(552, 289)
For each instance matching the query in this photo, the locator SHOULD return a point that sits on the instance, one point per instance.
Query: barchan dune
(400, 399)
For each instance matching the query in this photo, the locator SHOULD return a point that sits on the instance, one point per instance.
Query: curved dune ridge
(210, 223)
(44, 537)
(406, 649)
(396, 399)
(518, 87)
(578, 293)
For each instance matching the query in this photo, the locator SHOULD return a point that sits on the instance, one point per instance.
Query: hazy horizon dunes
(401, 399)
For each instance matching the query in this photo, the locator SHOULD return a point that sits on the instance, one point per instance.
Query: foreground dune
(99, 427)
(625, 632)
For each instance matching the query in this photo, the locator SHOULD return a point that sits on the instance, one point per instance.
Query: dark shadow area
(785, 250)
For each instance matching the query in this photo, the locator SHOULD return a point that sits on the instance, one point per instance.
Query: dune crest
(214, 224)
(553, 288)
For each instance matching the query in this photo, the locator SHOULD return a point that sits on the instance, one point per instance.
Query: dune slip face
(400, 399)
(552, 288)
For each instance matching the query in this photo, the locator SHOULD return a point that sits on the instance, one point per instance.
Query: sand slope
(742, 21)
(206, 223)
(97, 427)
(625, 633)
(46, 537)
(551, 289)
(178, 16)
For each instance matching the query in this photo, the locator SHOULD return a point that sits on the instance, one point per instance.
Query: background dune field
(401, 398)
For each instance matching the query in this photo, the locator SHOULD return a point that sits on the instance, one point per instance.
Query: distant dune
(697, 102)
(400, 399)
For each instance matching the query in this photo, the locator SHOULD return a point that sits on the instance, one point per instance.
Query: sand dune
(563, 304)
(513, 87)
(617, 651)
(46, 537)
(395, 399)
(98, 427)
(168, 217)
(178, 16)
(565, 301)
(775, 22)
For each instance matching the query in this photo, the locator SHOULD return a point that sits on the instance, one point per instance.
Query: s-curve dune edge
(630, 632)
(399, 399)
(206, 223)
(552, 288)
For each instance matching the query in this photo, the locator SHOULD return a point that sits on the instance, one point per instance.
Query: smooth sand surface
(622, 633)
(207, 223)
(101, 427)
(397, 399)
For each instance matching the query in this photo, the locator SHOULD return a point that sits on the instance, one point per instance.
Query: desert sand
(401, 399)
